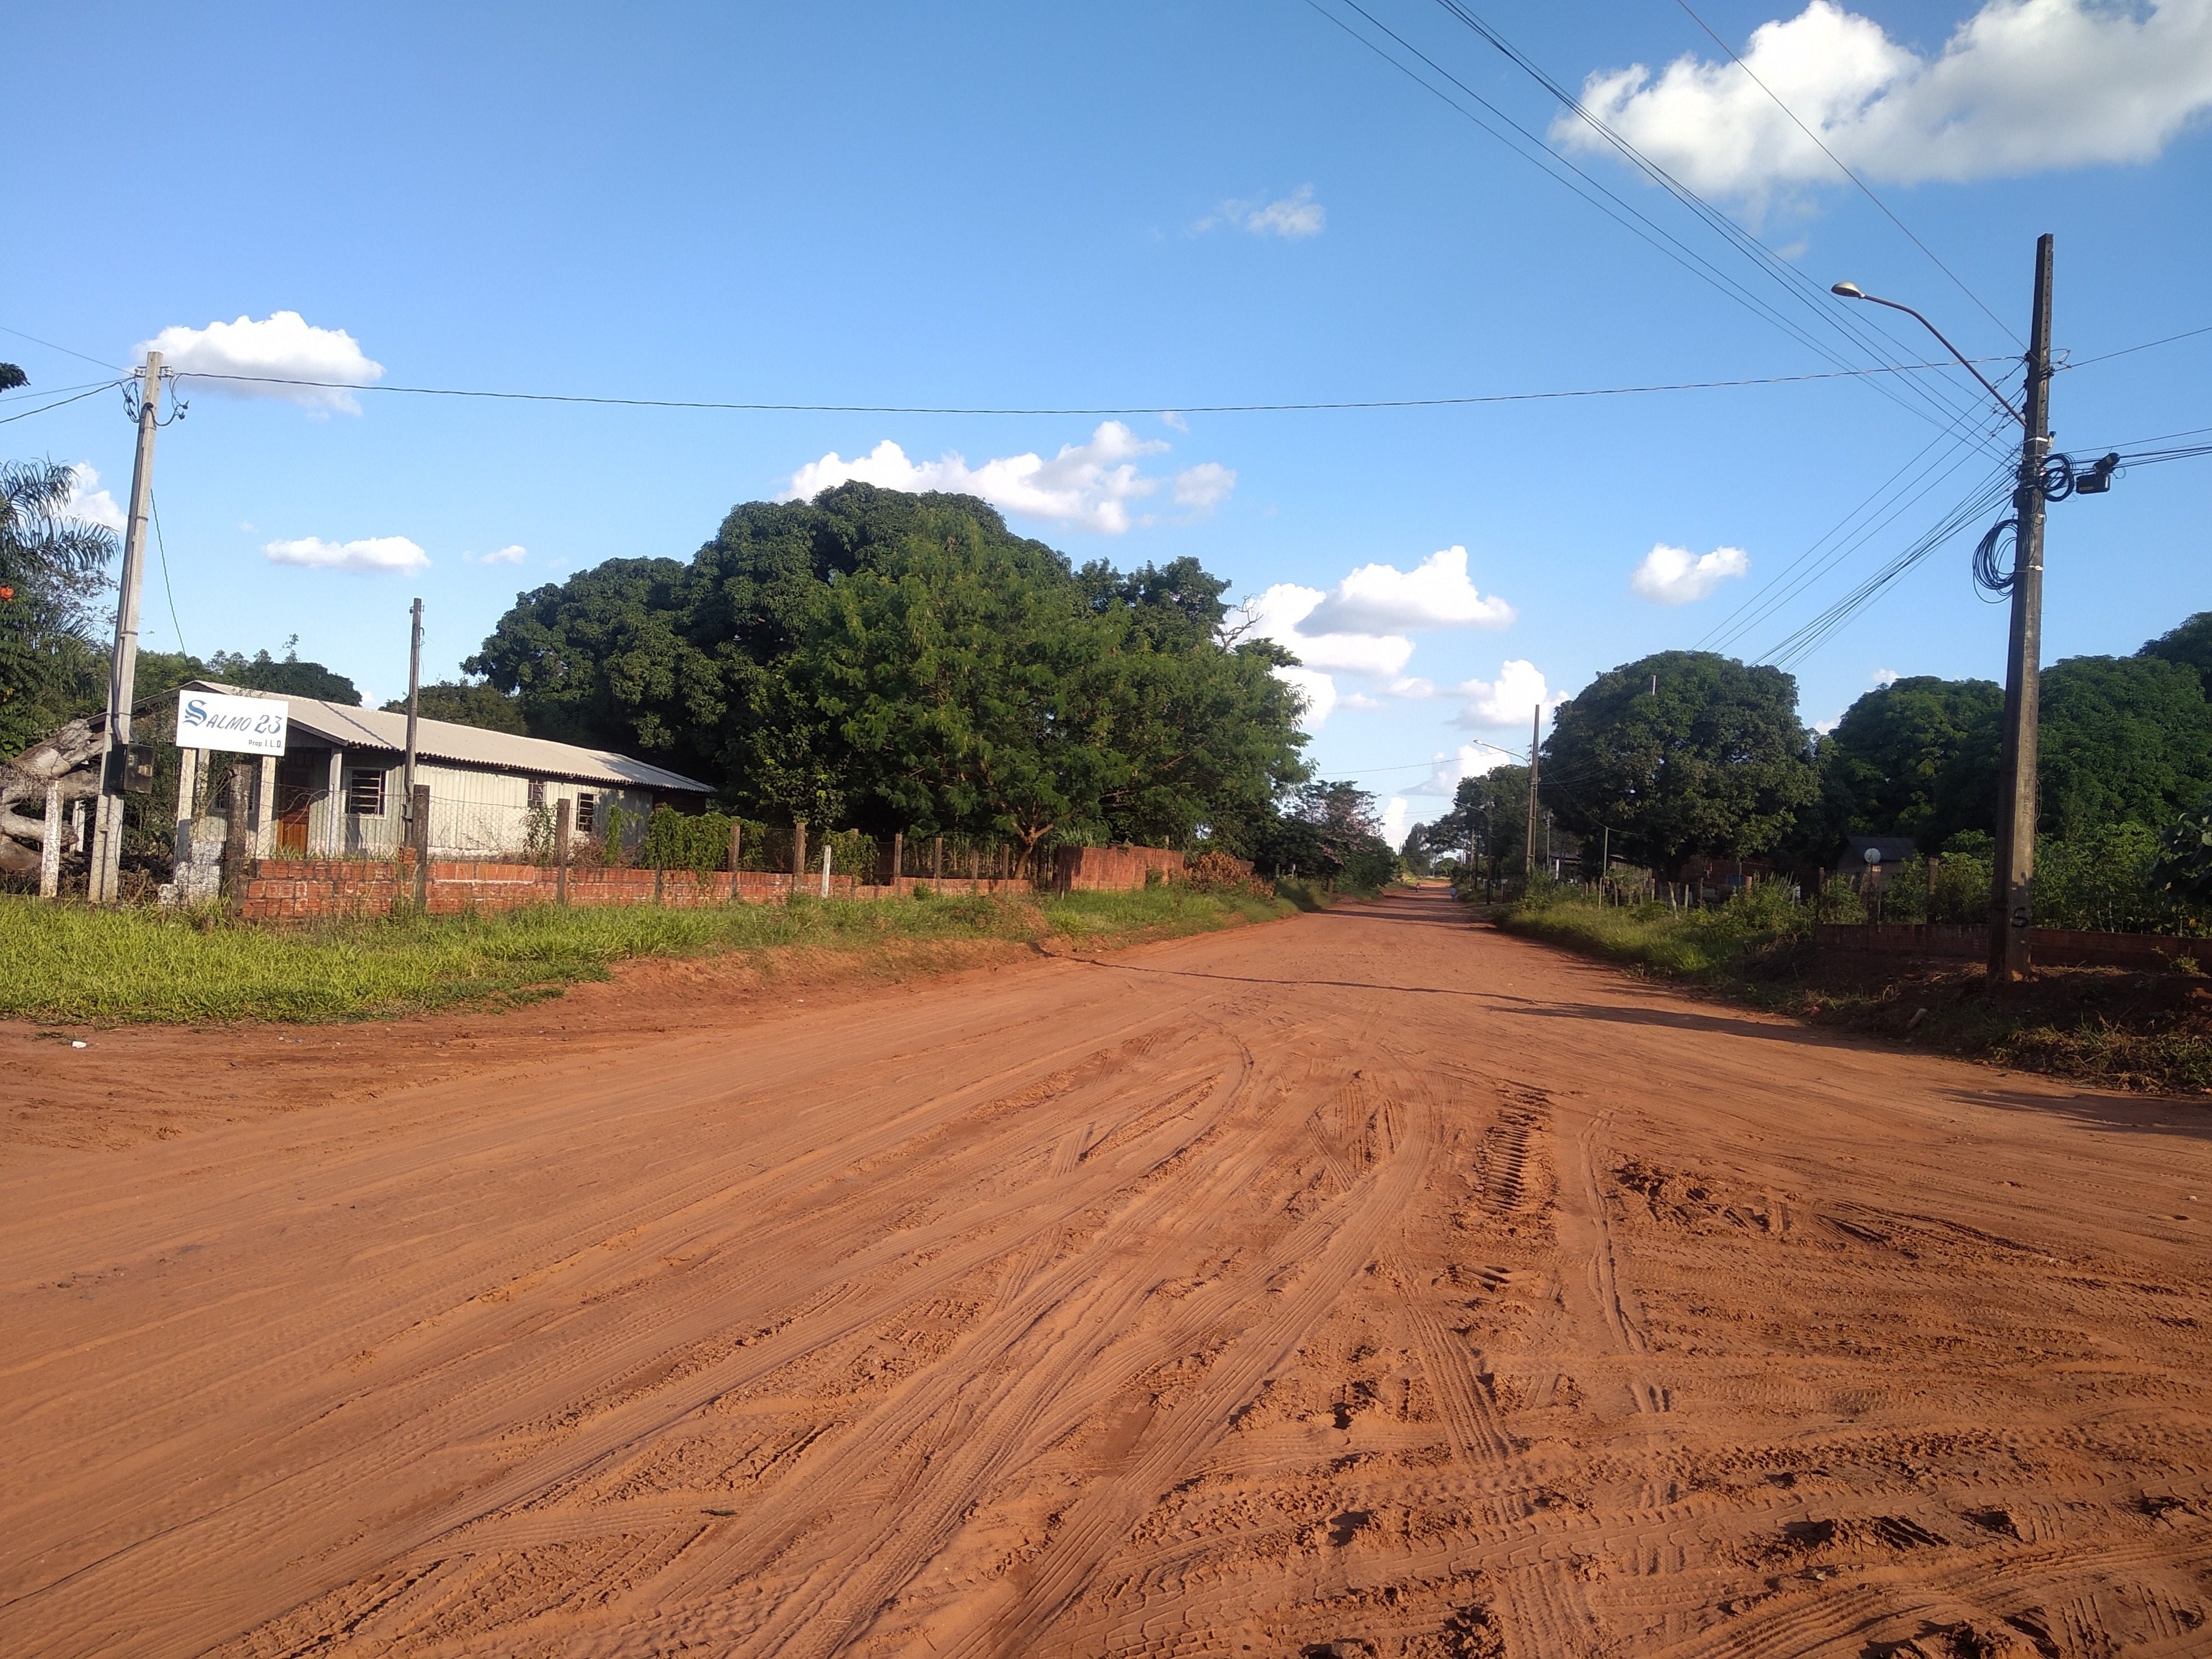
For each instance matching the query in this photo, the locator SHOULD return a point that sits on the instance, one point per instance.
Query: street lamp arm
(1852, 291)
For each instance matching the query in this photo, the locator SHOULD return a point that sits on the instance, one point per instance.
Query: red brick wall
(1112, 869)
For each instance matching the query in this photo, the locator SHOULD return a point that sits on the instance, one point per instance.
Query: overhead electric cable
(1547, 160)
(1865, 189)
(59, 403)
(95, 361)
(1851, 326)
(1127, 408)
(2105, 356)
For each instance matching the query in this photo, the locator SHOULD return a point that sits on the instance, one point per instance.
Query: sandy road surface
(1363, 1284)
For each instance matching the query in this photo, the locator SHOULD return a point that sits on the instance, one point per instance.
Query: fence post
(737, 846)
(898, 856)
(825, 866)
(797, 850)
(49, 849)
(419, 833)
(561, 852)
(233, 841)
(936, 858)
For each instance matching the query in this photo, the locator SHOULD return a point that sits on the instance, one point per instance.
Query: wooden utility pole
(1535, 737)
(2012, 874)
(413, 697)
(104, 878)
(561, 822)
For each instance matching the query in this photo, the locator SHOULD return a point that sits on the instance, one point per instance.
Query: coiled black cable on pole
(1988, 577)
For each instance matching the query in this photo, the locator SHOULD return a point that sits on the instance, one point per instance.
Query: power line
(1850, 327)
(1134, 409)
(95, 361)
(59, 403)
(1864, 188)
(1533, 150)
(2105, 356)
(162, 541)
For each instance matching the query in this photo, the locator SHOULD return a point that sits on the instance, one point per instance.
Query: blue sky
(1149, 206)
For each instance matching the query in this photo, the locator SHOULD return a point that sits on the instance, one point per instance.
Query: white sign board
(249, 726)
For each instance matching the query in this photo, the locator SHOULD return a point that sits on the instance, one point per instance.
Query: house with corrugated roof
(336, 790)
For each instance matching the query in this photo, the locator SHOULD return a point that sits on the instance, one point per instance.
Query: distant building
(1893, 851)
(336, 791)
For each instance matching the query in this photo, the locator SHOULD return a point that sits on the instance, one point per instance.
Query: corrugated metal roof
(346, 728)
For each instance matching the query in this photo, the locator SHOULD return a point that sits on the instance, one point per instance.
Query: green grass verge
(67, 963)
(2128, 1030)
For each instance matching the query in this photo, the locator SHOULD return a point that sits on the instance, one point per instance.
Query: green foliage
(2105, 881)
(1891, 767)
(1329, 832)
(464, 702)
(286, 676)
(2189, 645)
(2183, 867)
(1715, 762)
(53, 570)
(613, 835)
(699, 842)
(2124, 740)
(897, 661)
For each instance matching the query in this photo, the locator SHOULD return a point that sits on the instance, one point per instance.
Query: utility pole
(104, 878)
(1535, 734)
(2012, 874)
(413, 697)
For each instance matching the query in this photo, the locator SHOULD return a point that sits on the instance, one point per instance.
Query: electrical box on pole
(103, 880)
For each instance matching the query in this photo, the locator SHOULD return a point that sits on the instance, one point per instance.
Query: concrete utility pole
(104, 878)
(1535, 737)
(2012, 874)
(414, 696)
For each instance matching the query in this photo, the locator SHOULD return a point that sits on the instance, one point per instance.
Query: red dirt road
(1368, 1283)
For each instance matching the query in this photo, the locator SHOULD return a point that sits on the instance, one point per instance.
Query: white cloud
(1292, 216)
(1380, 598)
(1472, 760)
(88, 501)
(1089, 485)
(1360, 700)
(386, 553)
(1884, 678)
(1204, 487)
(1509, 702)
(1169, 417)
(1673, 576)
(1317, 689)
(1394, 820)
(283, 346)
(2020, 87)
(505, 556)
(1280, 612)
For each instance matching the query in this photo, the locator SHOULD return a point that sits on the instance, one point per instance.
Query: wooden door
(295, 790)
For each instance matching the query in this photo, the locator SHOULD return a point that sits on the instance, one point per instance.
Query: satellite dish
(1873, 855)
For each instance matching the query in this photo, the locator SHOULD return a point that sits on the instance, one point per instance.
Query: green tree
(1490, 813)
(286, 676)
(1883, 769)
(2189, 645)
(2123, 740)
(903, 661)
(1715, 762)
(466, 703)
(53, 570)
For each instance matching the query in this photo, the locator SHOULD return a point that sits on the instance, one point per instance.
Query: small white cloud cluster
(505, 556)
(87, 502)
(1675, 575)
(1361, 627)
(1293, 218)
(2021, 85)
(1090, 486)
(380, 555)
(278, 352)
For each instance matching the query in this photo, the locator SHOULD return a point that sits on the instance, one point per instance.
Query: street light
(1853, 291)
(2013, 873)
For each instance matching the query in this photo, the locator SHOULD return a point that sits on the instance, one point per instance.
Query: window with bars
(587, 811)
(537, 792)
(365, 792)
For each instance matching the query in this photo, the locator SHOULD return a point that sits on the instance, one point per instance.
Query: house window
(587, 811)
(537, 792)
(365, 792)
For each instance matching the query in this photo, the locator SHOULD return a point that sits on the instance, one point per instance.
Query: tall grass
(60, 962)
(1696, 943)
